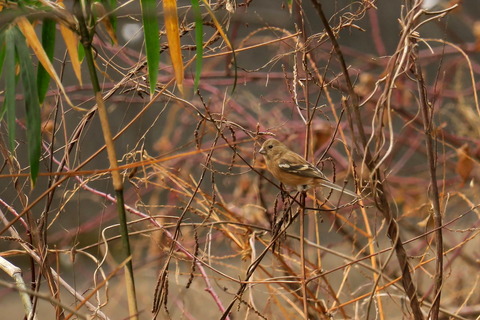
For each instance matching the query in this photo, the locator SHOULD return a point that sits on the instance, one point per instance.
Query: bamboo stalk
(82, 11)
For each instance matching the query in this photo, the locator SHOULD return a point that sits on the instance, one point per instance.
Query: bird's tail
(331, 185)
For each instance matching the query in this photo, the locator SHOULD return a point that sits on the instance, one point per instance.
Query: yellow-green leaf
(225, 38)
(71, 41)
(111, 5)
(173, 37)
(31, 37)
(102, 15)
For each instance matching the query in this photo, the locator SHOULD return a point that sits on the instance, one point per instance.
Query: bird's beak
(262, 151)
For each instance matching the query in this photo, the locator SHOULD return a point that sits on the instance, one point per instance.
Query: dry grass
(387, 107)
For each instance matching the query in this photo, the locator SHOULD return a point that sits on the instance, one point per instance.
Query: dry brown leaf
(476, 34)
(322, 133)
(465, 163)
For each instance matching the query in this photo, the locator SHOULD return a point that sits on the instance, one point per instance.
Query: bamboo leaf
(198, 41)
(71, 41)
(31, 37)
(218, 25)
(290, 6)
(152, 41)
(102, 12)
(2, 50)
(32, 106)
(173, 37)
(9, 103)
(81, 52)
(112, 5)
(225, 38)
(48, 43)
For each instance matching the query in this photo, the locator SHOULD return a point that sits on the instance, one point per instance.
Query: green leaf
(2, 50)
(103, 14)
(152, 41)
(198, 41)
(290, 6)
(111, 5)
(81, 52)
(32, 106)
(48, 43)
(9, 104)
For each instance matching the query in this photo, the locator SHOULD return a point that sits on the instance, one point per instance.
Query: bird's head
(271, 147)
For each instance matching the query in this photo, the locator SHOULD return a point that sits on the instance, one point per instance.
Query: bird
(293, 170)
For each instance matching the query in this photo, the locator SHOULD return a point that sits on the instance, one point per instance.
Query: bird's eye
(270, 146)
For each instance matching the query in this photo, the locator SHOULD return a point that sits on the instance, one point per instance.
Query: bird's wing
(295, 164)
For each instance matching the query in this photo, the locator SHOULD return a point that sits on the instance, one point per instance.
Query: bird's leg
(303, 187)
(284, 192)
(281, 225)
(303, 196)
(292, 201)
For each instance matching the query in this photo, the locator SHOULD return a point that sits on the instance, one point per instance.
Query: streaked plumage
(293, 170)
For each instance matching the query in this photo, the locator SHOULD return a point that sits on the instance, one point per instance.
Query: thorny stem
(381, 200)
(351, 91)
(434, 192)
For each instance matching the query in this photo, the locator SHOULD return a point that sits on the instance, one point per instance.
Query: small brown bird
(293, 170)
